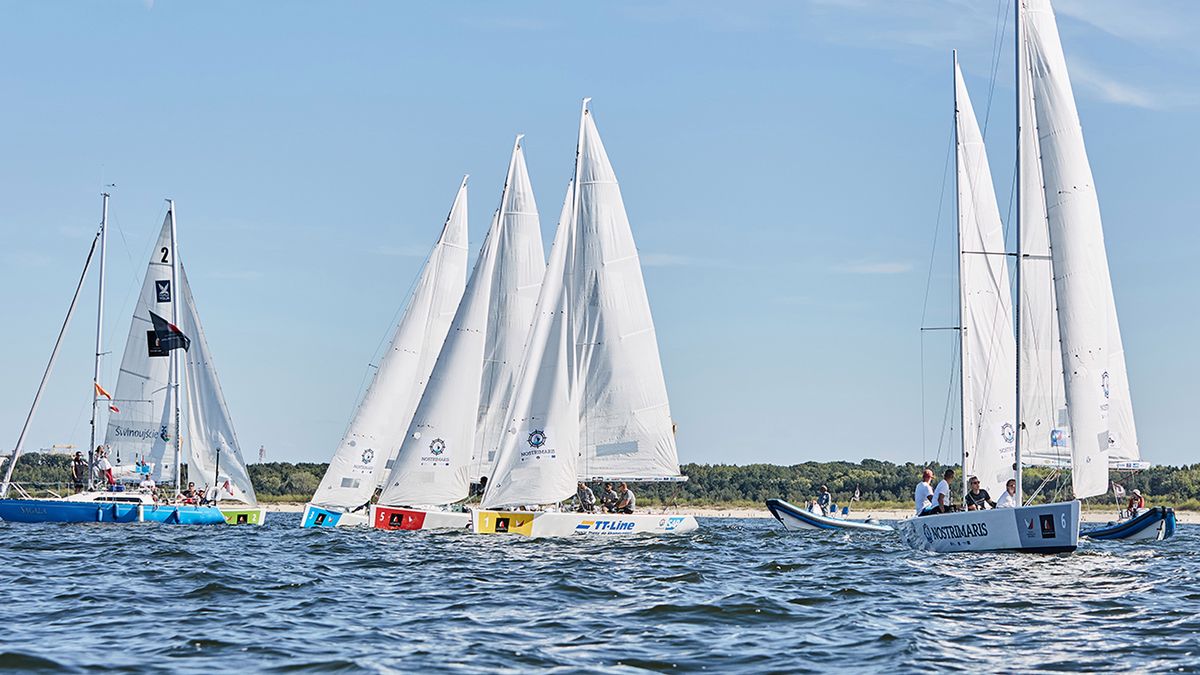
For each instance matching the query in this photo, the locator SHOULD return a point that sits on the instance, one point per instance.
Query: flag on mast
(104, 394)
(168, 334)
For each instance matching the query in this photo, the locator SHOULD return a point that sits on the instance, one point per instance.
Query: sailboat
(455, 422)
(152, 425)
(168, 406)
(1066, 292)
(1076, 402)
(369, 446)
(590, 401)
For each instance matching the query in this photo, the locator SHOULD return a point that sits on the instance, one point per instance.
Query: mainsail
(432, 466)
(209, 426)
(988, 349)
(516, 282)
(591, 401)
(374, 435)
(1096, 387)
(142, 426)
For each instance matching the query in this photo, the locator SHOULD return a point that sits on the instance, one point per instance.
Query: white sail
(1123, 449)
(374, 435)
(142, 426)
(432, 465)
(988, 348)
(1081, 279)
(591, 401)
(516, 282)
(208, 425)
(538, 456)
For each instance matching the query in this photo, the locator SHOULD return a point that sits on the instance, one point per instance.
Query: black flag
(168, 334)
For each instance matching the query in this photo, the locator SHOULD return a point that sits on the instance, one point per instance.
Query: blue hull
(56, 511)
(315, 516)
(1156, 524)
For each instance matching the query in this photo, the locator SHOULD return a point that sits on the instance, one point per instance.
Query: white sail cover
(988, 348)
(142, 427)
(374, 435)
(1045, 426)
(208, 425)
(1081, 279)
(516, 282)
(591, 401)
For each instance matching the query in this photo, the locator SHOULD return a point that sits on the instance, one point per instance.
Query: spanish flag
(104, 394)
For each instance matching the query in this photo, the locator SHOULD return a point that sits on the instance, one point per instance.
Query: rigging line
(997, 50)
(937, 224)
(952, 379)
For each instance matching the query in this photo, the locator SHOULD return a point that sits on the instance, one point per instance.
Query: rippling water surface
(739, 595)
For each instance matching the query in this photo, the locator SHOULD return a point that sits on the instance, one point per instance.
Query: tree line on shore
(878, 482)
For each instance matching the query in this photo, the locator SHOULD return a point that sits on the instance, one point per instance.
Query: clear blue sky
(782, 164)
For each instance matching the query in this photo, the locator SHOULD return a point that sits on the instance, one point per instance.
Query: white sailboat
(152, 426)
(449, 433)
(367, 450)
(168, 404)
(590, 402)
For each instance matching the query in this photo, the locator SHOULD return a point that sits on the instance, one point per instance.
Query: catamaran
(164, 339)
(168, 404)
(368, 448)
(1072, 389)
(590, 401)
(459, 420)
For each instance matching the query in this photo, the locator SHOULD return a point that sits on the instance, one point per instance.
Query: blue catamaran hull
(65, 511)
(1154, 525)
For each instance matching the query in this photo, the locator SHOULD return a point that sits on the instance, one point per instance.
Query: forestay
(376, 431)
(988, 348)
(208, 423)
(591, 400)
(1081, 278)
(142, 426)
(516, 281)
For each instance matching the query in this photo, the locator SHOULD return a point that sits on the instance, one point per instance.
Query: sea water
(736, 596)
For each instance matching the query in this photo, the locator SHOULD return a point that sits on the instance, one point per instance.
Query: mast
(99, 339)
(37, 398)
(174, 353)
(962, 301)
(1018, 30)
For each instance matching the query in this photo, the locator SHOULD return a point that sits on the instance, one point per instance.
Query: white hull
(1048, 528)
(316, 516)
(556, 524)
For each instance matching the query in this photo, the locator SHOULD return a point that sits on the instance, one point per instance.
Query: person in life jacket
(1136, 503)
(824, 499)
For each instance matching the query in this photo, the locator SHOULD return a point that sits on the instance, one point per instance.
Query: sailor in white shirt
(924, 492)
(941, 495)
(1008, 500)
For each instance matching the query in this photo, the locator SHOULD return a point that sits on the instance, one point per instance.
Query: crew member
(1008, 500)
(79, 472)
(1136, 503)
(941, 494)
(924, 492)
(977, 499)
(608, 498)
(823, 500)
(585, 497)
(628, 502)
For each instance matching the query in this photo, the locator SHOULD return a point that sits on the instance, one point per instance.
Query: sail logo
(1008, 433)
(669, 524)
(1058, 438)
(162, 290)
(162, 433)
(368, 456)
(1104, 384)
(537, 438)
(140, 434)
(437, 447)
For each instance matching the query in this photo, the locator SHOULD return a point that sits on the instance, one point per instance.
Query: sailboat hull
(77, 511)
(1153, 525)
(558, 524)
(795, 518)
(1047, 528)
(318, 516)
(244, 514)
(394, 518)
